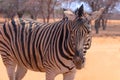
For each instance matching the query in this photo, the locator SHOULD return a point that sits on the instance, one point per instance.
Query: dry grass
(102, 60)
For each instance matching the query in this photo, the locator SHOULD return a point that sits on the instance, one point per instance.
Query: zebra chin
(79, 63)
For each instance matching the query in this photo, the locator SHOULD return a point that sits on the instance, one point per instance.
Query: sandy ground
(102, 60)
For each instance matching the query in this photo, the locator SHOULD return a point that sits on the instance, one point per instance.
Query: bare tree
(20, 5)
(33, 8)
(96, 5)
(44, 8)
(12, 7)
(8, 8)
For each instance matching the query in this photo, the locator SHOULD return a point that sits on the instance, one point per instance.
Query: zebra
(54, 48)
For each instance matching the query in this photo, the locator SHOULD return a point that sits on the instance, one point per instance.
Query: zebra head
(80, 30)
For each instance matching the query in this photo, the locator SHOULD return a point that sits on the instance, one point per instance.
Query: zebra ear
(80, 11)
(95, 15)
(76, 12)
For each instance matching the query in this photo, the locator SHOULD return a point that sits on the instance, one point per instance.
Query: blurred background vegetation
(47, 9)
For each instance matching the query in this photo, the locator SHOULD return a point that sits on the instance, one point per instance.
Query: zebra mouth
(79, 63)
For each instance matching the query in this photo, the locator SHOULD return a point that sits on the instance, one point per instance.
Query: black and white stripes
(54, 48)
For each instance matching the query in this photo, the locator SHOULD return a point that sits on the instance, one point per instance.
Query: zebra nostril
(84, 52)
(83, 61)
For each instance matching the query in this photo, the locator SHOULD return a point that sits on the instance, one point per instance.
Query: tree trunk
(48, 17)
(33, 16)
(20, 14)
(97, 25)
(54, 16)
(104, 24)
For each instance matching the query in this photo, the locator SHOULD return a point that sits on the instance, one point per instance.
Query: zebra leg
(20, 72)
(69, 75)
(50, 75)
(10, 67)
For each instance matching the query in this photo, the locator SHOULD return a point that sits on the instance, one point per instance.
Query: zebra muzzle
(79, 60)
